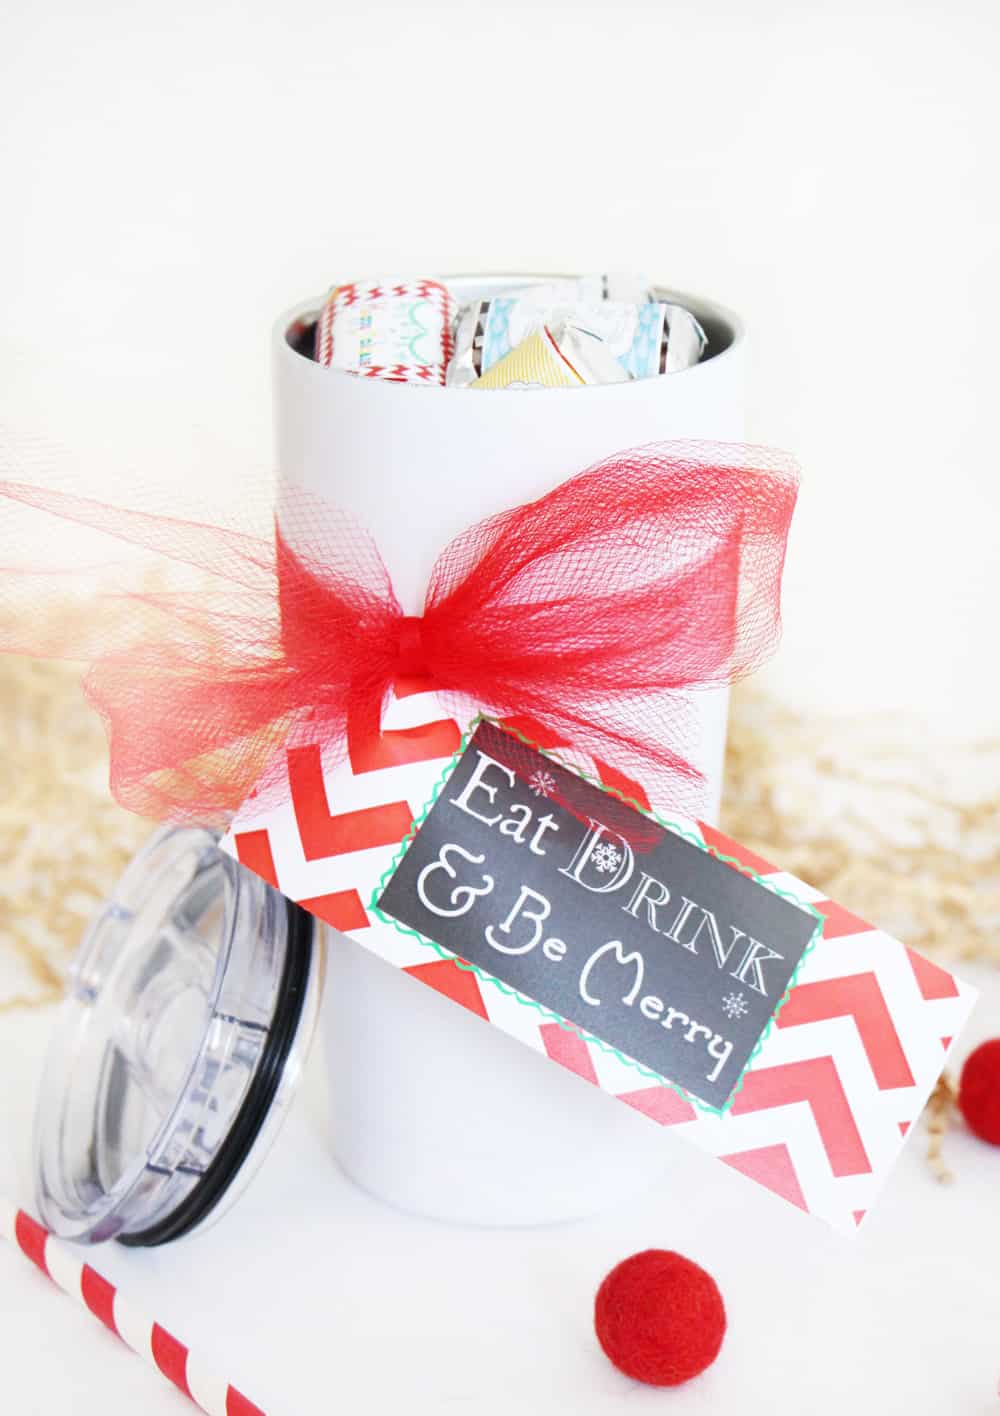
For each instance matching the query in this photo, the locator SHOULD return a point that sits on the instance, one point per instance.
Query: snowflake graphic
(606, 856)
(734, 1005)
(541, 783)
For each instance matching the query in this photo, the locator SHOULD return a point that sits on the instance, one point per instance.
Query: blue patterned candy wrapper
(646, 339)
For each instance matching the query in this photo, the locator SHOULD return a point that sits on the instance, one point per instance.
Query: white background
(174, 176)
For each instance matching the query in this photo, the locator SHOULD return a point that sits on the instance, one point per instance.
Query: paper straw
(171, 1358)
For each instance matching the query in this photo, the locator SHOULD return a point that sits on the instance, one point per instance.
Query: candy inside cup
(721, 330)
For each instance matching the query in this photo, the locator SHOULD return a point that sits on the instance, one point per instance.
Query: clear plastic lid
(189, 1008)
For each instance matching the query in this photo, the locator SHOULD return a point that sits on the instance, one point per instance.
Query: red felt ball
(660, 1318)
(979, 1091)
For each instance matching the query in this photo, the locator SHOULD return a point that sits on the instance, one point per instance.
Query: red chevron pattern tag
(825, 1105)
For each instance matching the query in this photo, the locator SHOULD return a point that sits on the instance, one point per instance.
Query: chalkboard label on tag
(592, 909)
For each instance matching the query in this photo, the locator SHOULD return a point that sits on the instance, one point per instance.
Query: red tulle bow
(592, 613)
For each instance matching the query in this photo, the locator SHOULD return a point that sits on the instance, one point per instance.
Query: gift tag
(633, 933)
(812, 1039)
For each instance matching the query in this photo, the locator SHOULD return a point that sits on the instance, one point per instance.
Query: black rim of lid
(249, 1122)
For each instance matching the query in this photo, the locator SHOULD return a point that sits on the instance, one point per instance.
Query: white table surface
(311, 1296)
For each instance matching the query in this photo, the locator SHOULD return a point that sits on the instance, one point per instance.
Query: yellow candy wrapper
(535, 363)
(566, 359)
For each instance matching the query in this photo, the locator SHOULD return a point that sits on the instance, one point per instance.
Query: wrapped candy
(591, 329)
(653, 337)
(392, 329)
(562, 358)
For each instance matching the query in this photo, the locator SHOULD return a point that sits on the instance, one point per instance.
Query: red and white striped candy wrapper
(171, 1358)
(396, 330)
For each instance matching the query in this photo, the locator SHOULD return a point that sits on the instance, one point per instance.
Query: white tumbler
(434, 1110)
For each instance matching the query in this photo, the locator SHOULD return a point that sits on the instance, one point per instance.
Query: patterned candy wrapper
(560, 358)
(392, 329)
(589, 354)
(649, 338)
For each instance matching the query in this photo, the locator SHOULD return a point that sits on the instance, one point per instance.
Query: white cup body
(434, 1110)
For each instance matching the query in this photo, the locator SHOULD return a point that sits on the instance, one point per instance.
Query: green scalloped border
(547, 1013)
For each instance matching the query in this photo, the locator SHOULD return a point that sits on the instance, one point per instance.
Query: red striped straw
(152, 1342)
